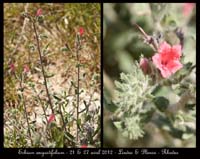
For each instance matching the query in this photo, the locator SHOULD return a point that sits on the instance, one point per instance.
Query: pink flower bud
(144, 65)
(81, 31)
(51, 118)
(39, 12)
(12, 67)
(26, 69)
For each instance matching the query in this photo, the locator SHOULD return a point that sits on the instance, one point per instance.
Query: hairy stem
(25, 112)
(43, 72)
(149, 39)
(78, 69)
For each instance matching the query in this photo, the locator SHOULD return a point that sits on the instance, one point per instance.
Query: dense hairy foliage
(153, 105)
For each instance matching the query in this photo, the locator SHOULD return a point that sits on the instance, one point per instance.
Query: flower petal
(157, 60)
(165, 72)
(176, 51)
(174, 66)
(164, 48)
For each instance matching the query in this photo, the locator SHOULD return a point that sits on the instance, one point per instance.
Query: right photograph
(149, 75)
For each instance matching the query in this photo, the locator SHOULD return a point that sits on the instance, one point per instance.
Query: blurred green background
(123, 44)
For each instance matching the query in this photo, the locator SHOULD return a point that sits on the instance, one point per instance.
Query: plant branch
(24, 104)
(78, 78)
(149, 39)
(43, 72)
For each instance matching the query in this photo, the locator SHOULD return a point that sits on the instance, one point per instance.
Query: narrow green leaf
(49, 75)
(64, 49)
(161, 103)
(56, 97)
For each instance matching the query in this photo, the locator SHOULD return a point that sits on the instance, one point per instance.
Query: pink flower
(12, 67)
(187, 8)
(81, 31)
(84, 146)
(26, 69)
(144, 65)
(51, 118)
(39, 12)
(167, 59)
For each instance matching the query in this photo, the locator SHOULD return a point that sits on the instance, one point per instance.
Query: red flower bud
(81, 31)
(144, 65)
(51, 118)
(84, 146)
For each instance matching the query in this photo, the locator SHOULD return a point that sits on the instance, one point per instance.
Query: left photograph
(52, 75)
